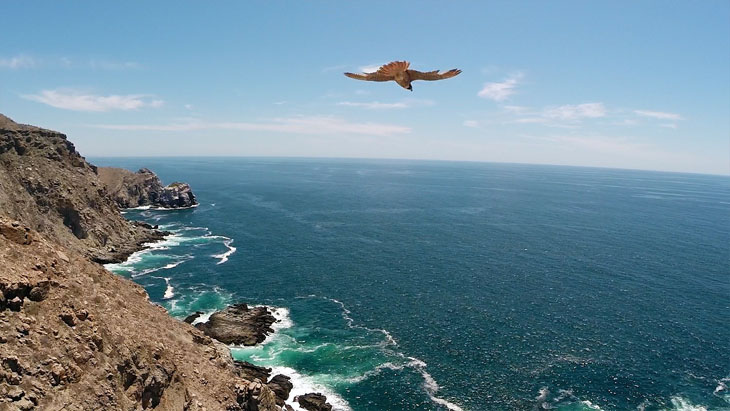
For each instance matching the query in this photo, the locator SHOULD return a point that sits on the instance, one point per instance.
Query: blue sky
(629, 84)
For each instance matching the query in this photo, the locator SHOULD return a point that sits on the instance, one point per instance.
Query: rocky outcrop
(238, 324)
(74, 336)
(46, 184)
(281, 386)
(144, 188)
(252, 372)
(313, 402)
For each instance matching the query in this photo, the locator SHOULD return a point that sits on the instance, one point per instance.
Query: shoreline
(301, 385)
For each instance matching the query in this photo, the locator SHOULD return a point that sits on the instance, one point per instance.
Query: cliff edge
(50, 187)
(144, 188)
(74, 336)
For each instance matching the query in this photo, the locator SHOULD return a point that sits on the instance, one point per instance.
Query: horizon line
(411, 159)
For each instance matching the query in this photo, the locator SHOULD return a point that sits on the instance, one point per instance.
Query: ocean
(417, 285)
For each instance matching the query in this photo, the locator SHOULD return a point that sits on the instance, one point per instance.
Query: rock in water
(314, 402)
(239, 325)
(144, 188)
(281, 386)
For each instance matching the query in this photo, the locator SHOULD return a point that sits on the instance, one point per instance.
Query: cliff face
(49, 186)
(72, 335)
(144, 188)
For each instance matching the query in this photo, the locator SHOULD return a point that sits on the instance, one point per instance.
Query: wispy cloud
(568, 115)
(500, 91)
(18, 62)
(75, 100)
(668, 125)
(659, 114)
(575, 112)
(471, 123)
(376, 105)
(297, 125)
(25, 61)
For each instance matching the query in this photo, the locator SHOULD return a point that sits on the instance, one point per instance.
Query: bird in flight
(398, 71)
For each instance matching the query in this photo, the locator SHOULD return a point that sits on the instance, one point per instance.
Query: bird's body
(399, 72)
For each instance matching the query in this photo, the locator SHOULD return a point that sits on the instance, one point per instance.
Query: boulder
(238, 324)
(281, 386)
(314, 402)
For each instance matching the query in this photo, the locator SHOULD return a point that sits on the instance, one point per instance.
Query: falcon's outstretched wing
(370, 76)
(432, 75)
(385, 72)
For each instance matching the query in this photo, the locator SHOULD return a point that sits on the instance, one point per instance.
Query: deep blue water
(434, 285)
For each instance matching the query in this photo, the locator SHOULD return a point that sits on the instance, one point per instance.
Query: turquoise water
(407, 285)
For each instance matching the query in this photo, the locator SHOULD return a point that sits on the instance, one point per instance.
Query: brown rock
(314, 402)
(239, 325)
(252, 372)
(281, 386)
(15, 304)
(68, 317)
(16, 233)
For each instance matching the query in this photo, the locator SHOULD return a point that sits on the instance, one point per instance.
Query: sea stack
(144, 188)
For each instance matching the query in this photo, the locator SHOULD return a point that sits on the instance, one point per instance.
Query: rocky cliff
(74, 336)
(144, 188)
(49, 186)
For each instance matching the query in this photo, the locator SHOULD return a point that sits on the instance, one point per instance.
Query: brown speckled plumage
(399, 72)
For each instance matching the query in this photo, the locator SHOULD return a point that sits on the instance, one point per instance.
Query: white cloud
(188, 106)
(515, 109)
(376, 105)
(299, 125)
(668, 125)
(471, 123)
(500, 91)
(18, 62)
(659, 114)
(79, 101)
(575, 112)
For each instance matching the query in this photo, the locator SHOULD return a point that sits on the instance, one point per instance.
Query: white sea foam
(282, 318)
(305, 384)
(376, 371)
(139, 208)
(224, 256)
(591, 405)
(351, 322)
(203, 318)
(169, 291)
(721, 386)
(430, 385)
(149, 207)
(683, 404)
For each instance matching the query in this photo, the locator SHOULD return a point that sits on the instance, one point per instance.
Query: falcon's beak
(410, 87)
